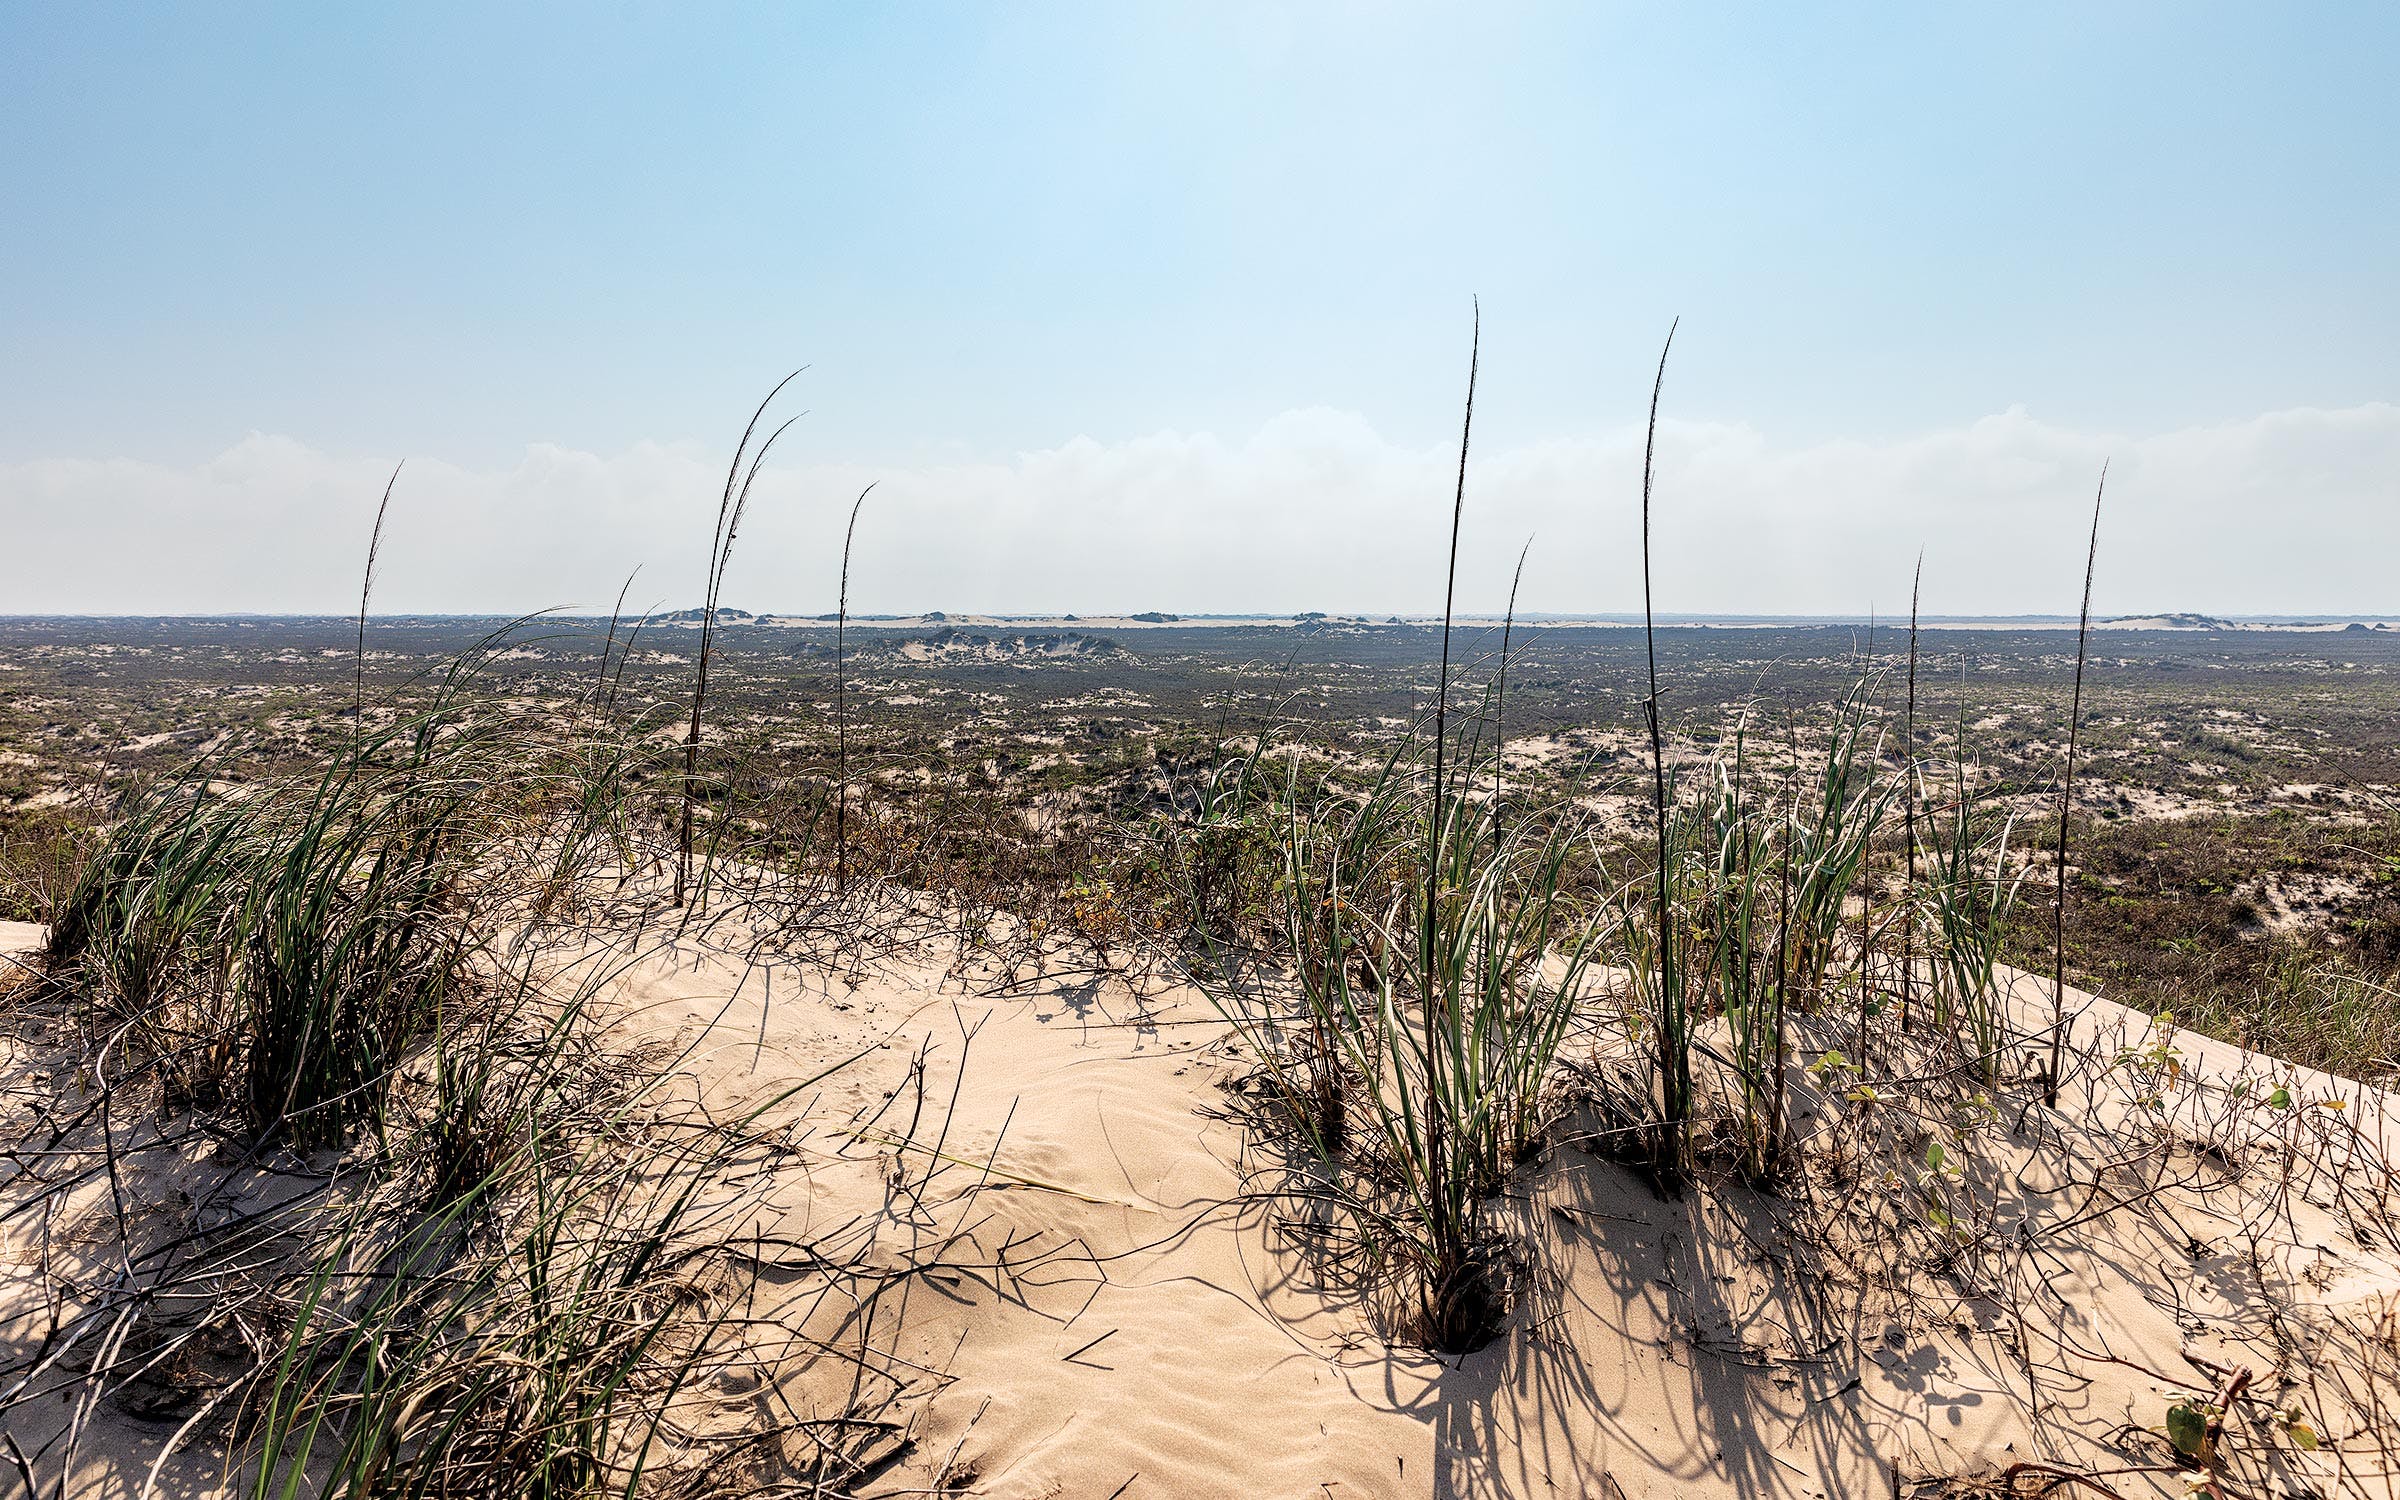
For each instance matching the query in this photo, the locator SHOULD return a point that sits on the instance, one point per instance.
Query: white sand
(1127, 1322)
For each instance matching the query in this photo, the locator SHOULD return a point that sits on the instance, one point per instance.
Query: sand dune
(1124, 1312)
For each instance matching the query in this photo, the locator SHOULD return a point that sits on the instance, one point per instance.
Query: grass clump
(1436, 946)
(281, 942)
(1427, 945)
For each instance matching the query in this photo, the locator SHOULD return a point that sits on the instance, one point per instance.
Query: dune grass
(491, 1252)
(1425, 947)
(505, 1268)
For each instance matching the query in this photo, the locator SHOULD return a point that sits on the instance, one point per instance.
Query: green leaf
(2187, 1429)
(2297, 1429)
(2280, 1099)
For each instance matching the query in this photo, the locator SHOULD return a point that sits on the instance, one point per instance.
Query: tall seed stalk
(1447, 1235)
(366, 590)
(730, 506)
(608, 645)
(1508, 625)
(841, 710)
(2066, 803)
(1908, 803)
(1674, 1057)
(1866, 893)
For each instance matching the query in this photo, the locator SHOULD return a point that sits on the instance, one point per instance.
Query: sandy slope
(1661, 1346)
(1125, 1318)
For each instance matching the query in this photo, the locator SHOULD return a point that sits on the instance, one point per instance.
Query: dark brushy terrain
(2236, 854)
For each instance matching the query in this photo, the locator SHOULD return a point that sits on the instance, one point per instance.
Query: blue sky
(257, 255)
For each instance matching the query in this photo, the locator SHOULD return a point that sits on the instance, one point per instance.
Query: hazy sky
(1145, 306)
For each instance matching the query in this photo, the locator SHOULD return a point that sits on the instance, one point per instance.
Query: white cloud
(2290, 511)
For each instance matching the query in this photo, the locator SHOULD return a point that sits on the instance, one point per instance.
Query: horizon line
(2179, 620)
